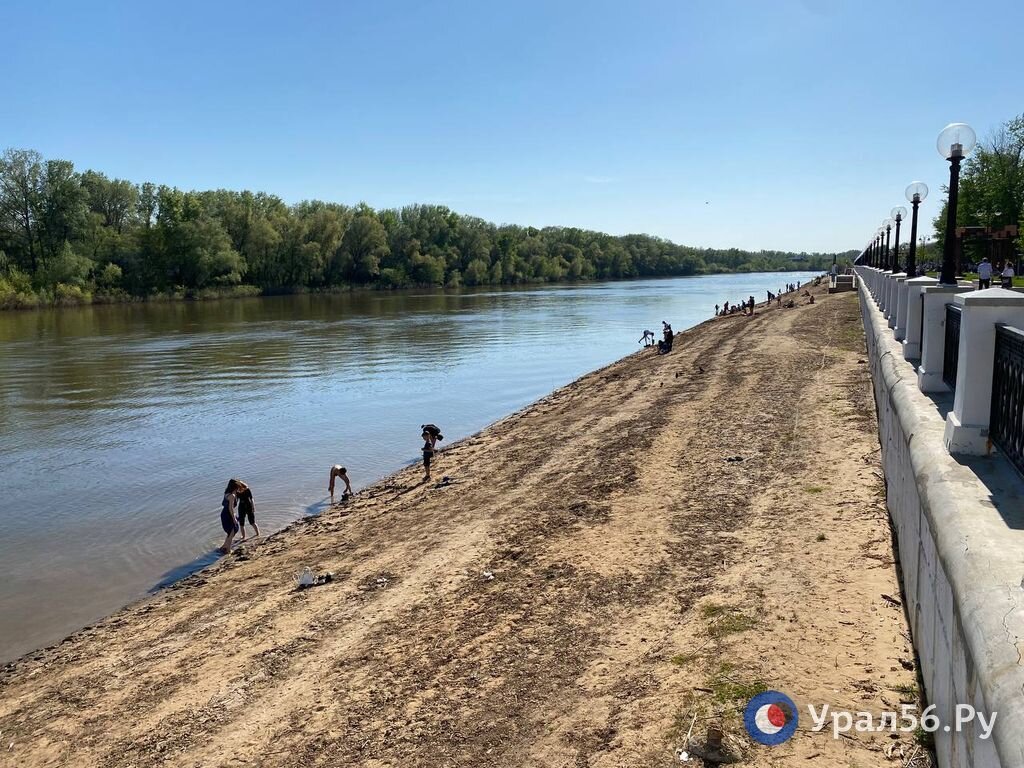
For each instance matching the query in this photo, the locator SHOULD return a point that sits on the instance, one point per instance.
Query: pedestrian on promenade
(1007, 275)
(984, 274)
(339, 472)
(431, 434)
(227, 515)
(246, 509)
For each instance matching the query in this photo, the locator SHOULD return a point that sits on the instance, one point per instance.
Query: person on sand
(429, 441)
(338, 471)
(647, 339)
(246, 509)
(228, 521)
(750, 303)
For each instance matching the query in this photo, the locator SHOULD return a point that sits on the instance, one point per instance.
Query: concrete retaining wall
(963, 565)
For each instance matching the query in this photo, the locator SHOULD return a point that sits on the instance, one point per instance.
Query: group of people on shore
(665, 345)
(239, 507)
(746, 306)
(743, 306)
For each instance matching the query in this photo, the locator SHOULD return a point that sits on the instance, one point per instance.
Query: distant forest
(69, 237)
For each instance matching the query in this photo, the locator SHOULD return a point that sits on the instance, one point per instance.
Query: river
(120, 425)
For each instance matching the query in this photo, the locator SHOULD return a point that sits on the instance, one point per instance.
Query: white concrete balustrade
(980, 311)
(958, 518)
(915, 310)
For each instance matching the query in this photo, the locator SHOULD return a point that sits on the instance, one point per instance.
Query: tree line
(75, 237)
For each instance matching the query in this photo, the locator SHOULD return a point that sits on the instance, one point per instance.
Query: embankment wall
(963, 591)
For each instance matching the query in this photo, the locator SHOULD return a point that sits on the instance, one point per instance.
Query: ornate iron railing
(1006, 422)
(951, 355)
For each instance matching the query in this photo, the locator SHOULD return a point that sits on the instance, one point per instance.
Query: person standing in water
(338, 471)
(227, 515)
(246, 509)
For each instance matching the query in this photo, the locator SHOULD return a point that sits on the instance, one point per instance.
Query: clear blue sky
(791, 124)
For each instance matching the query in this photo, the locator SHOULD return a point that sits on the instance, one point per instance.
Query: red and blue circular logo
(771, 718)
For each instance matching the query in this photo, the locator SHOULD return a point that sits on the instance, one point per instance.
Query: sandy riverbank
(599, 573)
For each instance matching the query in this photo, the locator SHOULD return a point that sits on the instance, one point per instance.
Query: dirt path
(600, 574)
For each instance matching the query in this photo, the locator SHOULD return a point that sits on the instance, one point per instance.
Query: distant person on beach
(228, 521)
(647, 339)
(431, 434)
(246, 509)
(750, 303)
(338, 471)
(984, 274)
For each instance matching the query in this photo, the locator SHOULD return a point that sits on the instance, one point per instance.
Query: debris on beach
(308, 579)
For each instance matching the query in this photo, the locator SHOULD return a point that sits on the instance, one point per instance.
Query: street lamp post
(916, 193)
(898, 213)
(954, 143)
(886, 252)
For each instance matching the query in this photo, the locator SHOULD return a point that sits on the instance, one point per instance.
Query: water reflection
(119, 426)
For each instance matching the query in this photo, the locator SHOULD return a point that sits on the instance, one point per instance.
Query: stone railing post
(895, 281)
(967, 424)
(883, 290)
(933, 337)
(912, 316)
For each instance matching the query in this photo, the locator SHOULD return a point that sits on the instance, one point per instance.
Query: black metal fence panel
(951, 356)
(1006, 423)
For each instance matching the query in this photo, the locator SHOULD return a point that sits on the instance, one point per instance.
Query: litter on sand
(308, 579)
